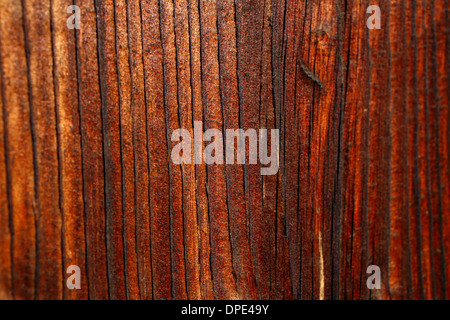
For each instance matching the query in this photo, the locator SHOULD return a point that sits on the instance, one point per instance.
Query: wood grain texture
(86, 176)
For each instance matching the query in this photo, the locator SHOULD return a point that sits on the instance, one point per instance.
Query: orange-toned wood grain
(86, 178)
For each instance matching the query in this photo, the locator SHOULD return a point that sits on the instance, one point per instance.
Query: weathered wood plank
(87, 179)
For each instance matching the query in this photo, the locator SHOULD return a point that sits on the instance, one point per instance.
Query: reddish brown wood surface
(86, 176)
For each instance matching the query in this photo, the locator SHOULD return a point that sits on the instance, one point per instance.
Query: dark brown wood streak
(87, 178)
